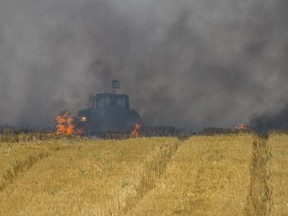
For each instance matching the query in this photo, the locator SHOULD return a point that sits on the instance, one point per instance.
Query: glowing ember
(66, 126)
(241, 127)
(136, 131)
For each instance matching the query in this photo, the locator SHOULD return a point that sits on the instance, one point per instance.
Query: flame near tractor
(136, 131)
(108, 113)
(241, 127)
(66, 126)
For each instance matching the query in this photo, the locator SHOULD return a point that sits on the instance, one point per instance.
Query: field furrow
(89, 178)
(15, 159)
(259, 196)
(236, 174)
(207, 176)
(278, 170)
(152, 171)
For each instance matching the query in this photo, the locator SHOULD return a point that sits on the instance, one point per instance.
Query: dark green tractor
(108, 113)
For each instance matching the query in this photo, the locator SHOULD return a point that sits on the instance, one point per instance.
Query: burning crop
(66, 125)
(241, 127)
(136, 131)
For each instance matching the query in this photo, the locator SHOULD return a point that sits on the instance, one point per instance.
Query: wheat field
(207, 176)
(236, 174)
(278, 173)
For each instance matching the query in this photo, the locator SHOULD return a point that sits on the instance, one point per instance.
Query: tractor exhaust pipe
(115, 85)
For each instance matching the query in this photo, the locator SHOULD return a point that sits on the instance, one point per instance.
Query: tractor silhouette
(108, 113)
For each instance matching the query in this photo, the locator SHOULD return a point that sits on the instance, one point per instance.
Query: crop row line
(259, 196)
(152, 170)
(19, 167)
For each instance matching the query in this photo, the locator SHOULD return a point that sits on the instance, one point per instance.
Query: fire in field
(65, 124)
(197, 126)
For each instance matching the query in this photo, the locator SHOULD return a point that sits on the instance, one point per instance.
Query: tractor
(108, 113)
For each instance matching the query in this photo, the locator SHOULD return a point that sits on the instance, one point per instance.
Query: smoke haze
(187, 63)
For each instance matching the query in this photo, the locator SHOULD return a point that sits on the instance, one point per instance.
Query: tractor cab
(110, 101)
(108, 112)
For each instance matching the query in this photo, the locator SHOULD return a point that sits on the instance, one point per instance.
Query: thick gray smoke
(187, 63)
(275, 121)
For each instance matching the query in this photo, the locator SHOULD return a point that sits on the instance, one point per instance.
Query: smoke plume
(185, 63)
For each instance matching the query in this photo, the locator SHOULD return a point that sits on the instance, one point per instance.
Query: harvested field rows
(259, 196)
(207, 176)
(278, 170)
(240, 174)
(89, 178)
(19, 158)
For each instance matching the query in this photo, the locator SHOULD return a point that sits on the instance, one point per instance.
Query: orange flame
(136, 131)
(66, 126)
(241, 127)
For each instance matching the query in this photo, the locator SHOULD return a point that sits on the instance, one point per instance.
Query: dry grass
(86, 178)
(259, 197)
(18, 158)
(239, 174)
(207, 176)
(10, 135)
(278, 170)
